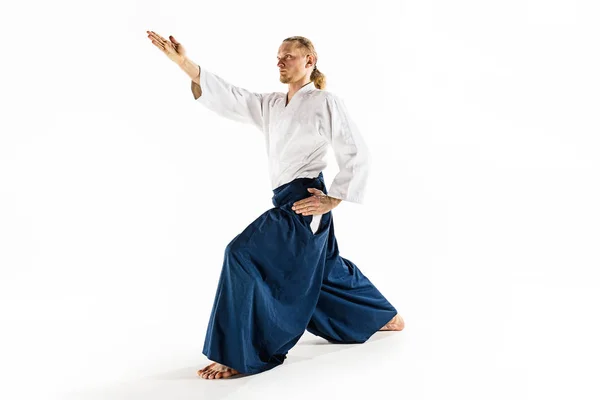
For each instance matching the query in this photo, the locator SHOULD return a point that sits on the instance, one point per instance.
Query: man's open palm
(172, 48)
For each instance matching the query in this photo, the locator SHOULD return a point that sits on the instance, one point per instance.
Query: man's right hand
(172, 48)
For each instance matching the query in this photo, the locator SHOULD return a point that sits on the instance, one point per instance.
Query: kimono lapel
(308, 86)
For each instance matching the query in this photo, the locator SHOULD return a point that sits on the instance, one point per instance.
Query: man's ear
(309, 62)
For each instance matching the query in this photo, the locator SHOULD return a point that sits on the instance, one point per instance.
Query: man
(283, 274)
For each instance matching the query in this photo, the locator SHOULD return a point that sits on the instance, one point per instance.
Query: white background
(119, 193)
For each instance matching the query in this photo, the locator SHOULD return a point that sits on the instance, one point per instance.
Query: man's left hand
(318, 203)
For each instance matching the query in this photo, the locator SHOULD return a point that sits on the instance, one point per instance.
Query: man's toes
(206, 373)
(227, 374)
(219, 375)
(200, 371)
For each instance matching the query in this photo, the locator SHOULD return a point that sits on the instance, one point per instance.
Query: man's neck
(295, 86)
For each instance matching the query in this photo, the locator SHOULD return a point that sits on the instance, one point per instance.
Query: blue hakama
(279, 278)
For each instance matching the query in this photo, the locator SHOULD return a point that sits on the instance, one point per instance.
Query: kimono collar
(309, 86)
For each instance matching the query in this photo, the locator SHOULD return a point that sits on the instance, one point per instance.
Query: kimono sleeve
(230, 101)
(351, 152)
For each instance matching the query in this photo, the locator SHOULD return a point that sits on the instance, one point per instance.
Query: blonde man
(283, 274)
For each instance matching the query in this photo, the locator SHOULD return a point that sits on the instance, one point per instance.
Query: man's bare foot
(396, 324)
(217, 371)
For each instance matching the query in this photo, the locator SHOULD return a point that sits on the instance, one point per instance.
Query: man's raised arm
(225, 99)
(211, 90)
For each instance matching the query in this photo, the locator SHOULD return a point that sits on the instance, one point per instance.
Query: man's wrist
(335, 201)
(190, 68)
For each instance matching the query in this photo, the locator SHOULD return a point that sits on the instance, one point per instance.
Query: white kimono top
(297, 135)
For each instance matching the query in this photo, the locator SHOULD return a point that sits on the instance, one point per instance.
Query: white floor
(542, 346)
(314, 368)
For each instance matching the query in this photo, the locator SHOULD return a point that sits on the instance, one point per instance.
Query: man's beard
(285, 78)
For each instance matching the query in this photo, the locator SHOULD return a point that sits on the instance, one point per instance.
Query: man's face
(291, 63)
